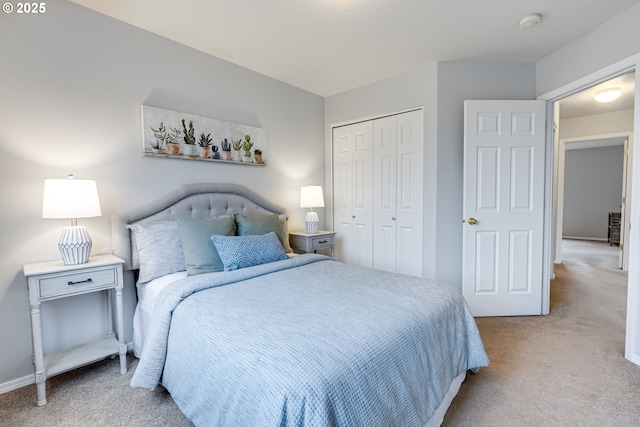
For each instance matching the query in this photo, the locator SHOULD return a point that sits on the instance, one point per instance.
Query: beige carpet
(565, 369)
(96, 395)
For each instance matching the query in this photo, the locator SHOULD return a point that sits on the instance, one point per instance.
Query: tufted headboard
(203, 200)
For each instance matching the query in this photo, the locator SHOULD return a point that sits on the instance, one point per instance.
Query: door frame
(559, 182)
(632, 63)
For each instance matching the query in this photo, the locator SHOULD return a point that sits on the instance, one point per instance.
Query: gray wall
(414, 89)
(592, 189)
(72, 85)
(614, 40)
(457, 82)
(441, 89)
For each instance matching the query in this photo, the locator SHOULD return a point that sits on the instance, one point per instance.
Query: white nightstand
(305, 242)
(52, 280)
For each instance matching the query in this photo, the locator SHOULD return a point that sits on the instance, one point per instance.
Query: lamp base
(75, 245)
(311, 222)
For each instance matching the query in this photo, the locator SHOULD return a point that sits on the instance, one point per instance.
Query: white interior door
(503, 234)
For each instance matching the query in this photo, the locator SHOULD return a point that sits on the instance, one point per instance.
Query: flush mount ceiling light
(530, 20)
(608, 95)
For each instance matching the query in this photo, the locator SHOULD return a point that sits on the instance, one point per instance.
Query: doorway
(632, 332)
(603, 133)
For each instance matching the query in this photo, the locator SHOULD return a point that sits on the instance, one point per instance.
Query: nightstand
(52, 280)
(306, 242)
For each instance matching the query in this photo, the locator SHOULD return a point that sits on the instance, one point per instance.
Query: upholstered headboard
(203, 200)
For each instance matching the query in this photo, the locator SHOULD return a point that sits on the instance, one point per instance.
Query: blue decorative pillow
(246, 251)
(200, 255)
(262, 224)
(159, 249)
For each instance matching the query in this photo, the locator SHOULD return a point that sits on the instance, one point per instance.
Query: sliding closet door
(353, 193)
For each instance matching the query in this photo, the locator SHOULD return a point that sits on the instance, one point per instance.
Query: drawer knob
(81, 281)
(322, 241)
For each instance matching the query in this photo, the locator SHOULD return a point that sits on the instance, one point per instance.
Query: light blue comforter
(308, 342)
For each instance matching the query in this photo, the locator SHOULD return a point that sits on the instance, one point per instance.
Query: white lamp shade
(70, 198)
(311, 196)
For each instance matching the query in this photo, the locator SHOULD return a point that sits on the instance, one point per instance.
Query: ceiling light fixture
(530, 21)
(608, 95)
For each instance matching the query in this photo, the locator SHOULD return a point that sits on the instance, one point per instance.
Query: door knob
(472, 221)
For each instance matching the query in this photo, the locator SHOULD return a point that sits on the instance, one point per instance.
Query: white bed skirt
(147, 295)
(438, 415)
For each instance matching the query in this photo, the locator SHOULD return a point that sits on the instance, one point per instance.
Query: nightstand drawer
(302, 242)
(77, 283)
(321, 242)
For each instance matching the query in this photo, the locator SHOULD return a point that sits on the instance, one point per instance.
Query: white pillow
(159, 249)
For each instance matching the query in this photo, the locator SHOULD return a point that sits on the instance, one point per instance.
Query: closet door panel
(384, 193)
(353, 194)
(409, 214)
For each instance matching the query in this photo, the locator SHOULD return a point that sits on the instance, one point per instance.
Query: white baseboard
(30, 379)
(17, 383)
(634, 358)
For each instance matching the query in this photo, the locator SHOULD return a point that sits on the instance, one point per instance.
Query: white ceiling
(584, 103)
(329, 46)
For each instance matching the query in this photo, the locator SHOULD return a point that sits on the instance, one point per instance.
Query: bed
(276, 339)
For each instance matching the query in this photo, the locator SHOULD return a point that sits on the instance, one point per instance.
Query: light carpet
(564, 369)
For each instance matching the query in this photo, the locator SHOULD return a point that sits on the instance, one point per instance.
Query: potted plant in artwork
(216, 153)
(161, 135)
(246, 146)
(226, 149)
(237, 145)
(190, 149)
(172, 141)
(257, 156)
(205, 145)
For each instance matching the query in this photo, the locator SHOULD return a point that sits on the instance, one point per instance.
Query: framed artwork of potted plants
(175, 135)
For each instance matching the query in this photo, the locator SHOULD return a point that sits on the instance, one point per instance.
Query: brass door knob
(472, 221)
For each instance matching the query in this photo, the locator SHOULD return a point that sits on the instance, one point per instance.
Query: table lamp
(311, 197)
(72, 199)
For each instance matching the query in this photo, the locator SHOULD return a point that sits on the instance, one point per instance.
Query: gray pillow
(263, 224)
(200, 254)
(159, 249)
